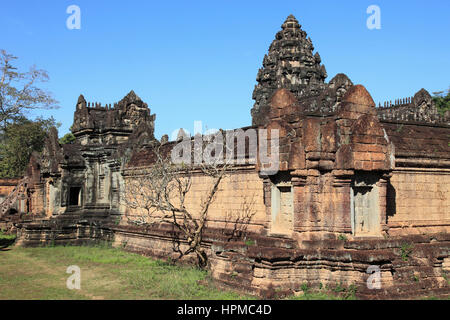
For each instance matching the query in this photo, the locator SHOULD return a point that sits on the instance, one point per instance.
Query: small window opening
(74, 196)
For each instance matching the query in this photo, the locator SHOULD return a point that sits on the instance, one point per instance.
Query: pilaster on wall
(299, 182)
(322, 202)
(383, 201)
(342, 185)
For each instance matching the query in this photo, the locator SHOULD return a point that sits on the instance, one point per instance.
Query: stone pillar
(267, 192)
(382, 187)
(342, 185)
(299, 186)
(90, 185)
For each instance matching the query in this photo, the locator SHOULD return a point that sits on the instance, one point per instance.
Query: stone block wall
(412, 266)
(418, 201)
(239, 198)
(37, 203)
(238, 194)
(6, 187)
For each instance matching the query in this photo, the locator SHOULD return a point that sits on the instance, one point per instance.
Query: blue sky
(198, 60)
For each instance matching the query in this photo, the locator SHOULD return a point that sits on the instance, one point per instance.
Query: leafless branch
(157, 194)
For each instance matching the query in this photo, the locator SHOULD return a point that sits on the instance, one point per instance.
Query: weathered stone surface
(419, 109)
(290, 64)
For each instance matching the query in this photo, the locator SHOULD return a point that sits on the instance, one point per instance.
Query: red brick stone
(297, 156)
(367, 125)
(282, 98)
(328, 137)
(312, 164)
(284, 166)
(367, 166)
(326, 164)
(358, 165)
(379, 165)
(364, 139)
(276, 125)
(344, 157)
(376, 148)
(313, 172)
(359, 96)
(361, 156)
(378, 156)
(311, 135)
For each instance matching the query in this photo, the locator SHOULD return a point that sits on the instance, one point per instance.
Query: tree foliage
(442, 101)
(19, 140)
(19, 92)
(68, 138)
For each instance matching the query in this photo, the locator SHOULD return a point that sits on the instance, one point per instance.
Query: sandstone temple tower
(290, 64)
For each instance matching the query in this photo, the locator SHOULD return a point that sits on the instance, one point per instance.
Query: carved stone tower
(290, 64)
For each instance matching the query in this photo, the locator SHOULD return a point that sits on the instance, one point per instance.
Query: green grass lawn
(106, 273)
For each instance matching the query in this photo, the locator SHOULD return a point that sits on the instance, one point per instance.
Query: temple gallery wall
(356, 186)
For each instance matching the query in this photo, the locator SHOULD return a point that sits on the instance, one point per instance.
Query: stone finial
(164, 139)
(339, 80)
(422, 96)
(291, 23)
(340, 85)
(81, 102)
(81, 99)
(131, 97)
(181, 135)
(323, 72)
(317, 58)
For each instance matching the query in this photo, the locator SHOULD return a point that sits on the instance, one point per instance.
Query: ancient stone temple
(358, 189)
(290, 64)
(83, 178)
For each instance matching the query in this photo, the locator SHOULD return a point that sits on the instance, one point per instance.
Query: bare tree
(18, 90)
(157, 194)
(236, 223)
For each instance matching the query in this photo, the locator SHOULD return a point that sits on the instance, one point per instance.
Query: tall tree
(19, 91)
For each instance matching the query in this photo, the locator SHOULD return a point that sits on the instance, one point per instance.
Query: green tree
(442, 101)
(68, 138)
(19, 92)
(19, 140)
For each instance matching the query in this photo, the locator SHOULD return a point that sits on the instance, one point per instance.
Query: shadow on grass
(5, 243)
